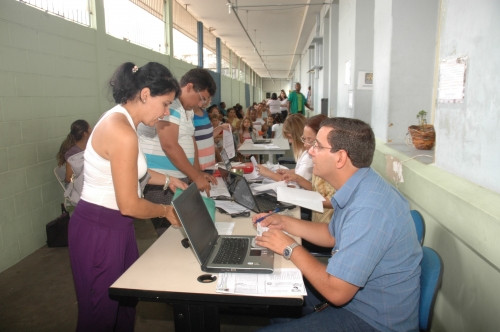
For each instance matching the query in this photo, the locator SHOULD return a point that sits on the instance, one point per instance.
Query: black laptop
(241, 193)
(257, 140)
(214, 252)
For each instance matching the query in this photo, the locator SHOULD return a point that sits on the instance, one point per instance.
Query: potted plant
(423, 135)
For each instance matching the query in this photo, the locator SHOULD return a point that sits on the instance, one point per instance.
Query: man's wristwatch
(287, 252)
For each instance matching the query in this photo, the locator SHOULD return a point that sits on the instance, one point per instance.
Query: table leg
(196, 317)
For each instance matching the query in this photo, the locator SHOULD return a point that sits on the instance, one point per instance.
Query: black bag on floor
(57, 230)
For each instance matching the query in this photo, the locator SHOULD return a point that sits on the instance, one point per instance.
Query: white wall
(468, 135)
(363, 57)
(346, 48)
(461, 213)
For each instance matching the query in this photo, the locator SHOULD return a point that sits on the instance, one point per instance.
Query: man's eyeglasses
(316, 147)
(306, 141)
(204, 101)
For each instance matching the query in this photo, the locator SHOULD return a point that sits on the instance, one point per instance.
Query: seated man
(372, 279)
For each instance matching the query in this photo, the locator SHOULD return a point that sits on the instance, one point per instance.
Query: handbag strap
(63, 209)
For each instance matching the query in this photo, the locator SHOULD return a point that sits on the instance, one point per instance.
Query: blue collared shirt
(376, 249)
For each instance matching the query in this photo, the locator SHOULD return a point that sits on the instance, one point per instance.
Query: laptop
(257, 140)
(241, 193)
(214, 252)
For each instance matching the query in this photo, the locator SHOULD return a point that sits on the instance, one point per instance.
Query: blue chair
(430, 282)
(419, 225)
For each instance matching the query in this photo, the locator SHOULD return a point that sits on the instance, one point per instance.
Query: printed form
(285, 281)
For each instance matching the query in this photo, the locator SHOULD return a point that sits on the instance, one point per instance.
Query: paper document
(285, 281)
(301, 197)
(228, 143)
(266, 146)
(224, 228)
(219, 189)
(230, 206)
(269, 186)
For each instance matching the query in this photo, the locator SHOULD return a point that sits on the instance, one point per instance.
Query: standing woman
(274, 104)
(75, 142)
(283, 104)
(102, 242)
(233, 120)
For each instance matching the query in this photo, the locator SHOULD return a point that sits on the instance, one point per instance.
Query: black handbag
(57, 230)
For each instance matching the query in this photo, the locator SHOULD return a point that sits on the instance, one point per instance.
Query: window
(225, 62)
(147, 28)
(209, 50)
(185, 34)
(77, 11)
(185, 48)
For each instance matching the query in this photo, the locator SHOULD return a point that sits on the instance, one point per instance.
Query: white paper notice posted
(286, 281)
(452, 80)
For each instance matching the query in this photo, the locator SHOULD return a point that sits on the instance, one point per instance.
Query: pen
(267, 215)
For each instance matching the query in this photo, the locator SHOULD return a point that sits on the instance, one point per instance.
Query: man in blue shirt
(372, 279)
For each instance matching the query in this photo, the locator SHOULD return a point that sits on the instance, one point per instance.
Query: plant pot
(422, 137)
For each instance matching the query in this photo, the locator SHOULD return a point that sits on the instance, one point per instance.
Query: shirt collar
(343, 195)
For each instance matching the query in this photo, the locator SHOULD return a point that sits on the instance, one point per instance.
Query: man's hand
(203, 181)
(274, 239)
(272, 221)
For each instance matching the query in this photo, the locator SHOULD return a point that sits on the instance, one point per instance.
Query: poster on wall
(452, 80)
(365, 80)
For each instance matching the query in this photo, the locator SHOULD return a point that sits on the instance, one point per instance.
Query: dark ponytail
(128, 80)
(78, 129)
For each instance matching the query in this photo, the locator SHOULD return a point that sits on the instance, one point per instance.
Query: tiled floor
(37, 294)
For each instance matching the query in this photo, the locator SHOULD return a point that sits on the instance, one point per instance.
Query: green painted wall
(52, 72)
(462, 225)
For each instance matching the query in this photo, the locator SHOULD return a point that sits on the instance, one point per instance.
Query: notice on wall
(365, 80)
(452, 80)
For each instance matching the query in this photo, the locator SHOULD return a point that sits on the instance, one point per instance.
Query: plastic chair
(419, 225)
(430, 282)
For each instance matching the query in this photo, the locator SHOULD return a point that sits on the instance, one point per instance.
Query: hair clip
(135, 69)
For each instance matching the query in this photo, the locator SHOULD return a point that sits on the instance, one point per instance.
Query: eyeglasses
(306, 141)
(204, 101)
(316, 146)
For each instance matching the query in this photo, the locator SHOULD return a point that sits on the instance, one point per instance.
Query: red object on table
(246, 167)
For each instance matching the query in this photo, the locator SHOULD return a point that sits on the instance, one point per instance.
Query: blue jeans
(330, 319)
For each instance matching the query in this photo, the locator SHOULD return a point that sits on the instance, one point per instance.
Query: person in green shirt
(297, 101)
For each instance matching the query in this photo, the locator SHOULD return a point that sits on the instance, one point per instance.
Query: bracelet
(165, 210)
(167, 182)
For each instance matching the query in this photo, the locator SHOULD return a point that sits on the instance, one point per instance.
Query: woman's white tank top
(98, 183)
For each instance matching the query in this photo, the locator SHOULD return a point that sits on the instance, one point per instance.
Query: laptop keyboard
(232, 251)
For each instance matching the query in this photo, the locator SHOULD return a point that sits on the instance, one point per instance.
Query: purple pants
(102, 246)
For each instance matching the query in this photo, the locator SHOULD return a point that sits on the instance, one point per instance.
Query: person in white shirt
(292, 130)
(274, 104)
(277, 128)
(283, 104)
(101, 236)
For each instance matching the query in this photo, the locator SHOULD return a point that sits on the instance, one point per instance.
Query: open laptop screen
(197, 222)
(239, 189)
